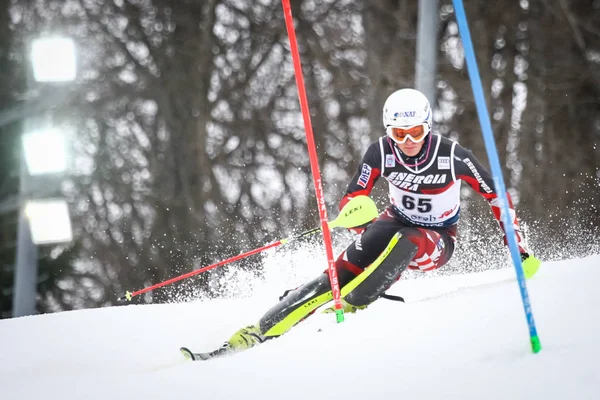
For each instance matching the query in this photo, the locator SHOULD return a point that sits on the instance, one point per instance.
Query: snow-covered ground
(457, 337)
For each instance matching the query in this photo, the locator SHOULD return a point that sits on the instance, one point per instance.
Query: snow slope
(457, 337)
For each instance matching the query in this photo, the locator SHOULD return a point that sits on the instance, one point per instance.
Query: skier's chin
(411, 149)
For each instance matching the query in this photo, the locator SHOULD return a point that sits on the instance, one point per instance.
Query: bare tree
(189, 137)
(191, 147)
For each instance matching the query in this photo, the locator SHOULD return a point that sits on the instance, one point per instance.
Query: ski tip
(187, 353)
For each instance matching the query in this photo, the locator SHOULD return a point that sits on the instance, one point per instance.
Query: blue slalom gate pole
(492, 152)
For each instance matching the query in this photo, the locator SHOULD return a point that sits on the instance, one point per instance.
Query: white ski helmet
(407, 108)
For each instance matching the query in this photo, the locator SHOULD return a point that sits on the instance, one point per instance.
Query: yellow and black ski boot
(242, 340)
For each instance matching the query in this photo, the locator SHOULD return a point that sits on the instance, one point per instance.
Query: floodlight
(53, 59)
(49, 221)
(45, 151)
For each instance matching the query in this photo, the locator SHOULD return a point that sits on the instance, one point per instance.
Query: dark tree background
(189, 147)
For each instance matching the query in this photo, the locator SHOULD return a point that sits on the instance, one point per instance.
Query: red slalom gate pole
(129, 295)
(314, 162)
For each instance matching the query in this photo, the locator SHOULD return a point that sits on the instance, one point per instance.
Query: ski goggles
(400, 135)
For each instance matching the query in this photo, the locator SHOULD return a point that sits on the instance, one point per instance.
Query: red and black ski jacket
(426, 192)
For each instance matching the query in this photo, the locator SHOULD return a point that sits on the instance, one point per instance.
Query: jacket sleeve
(470, 170)
(367, 174)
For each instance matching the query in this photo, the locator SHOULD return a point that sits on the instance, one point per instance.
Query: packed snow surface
(456, 337)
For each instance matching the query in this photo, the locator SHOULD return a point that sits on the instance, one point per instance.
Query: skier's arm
(366, 175)
(470, 170)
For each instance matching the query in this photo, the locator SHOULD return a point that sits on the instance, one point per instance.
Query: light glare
(45, 152)
(49, 221)
(53, 60)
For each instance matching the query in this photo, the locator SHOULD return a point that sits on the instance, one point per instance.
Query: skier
(416, 231)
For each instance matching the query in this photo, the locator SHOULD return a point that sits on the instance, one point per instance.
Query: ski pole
(358, 211)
